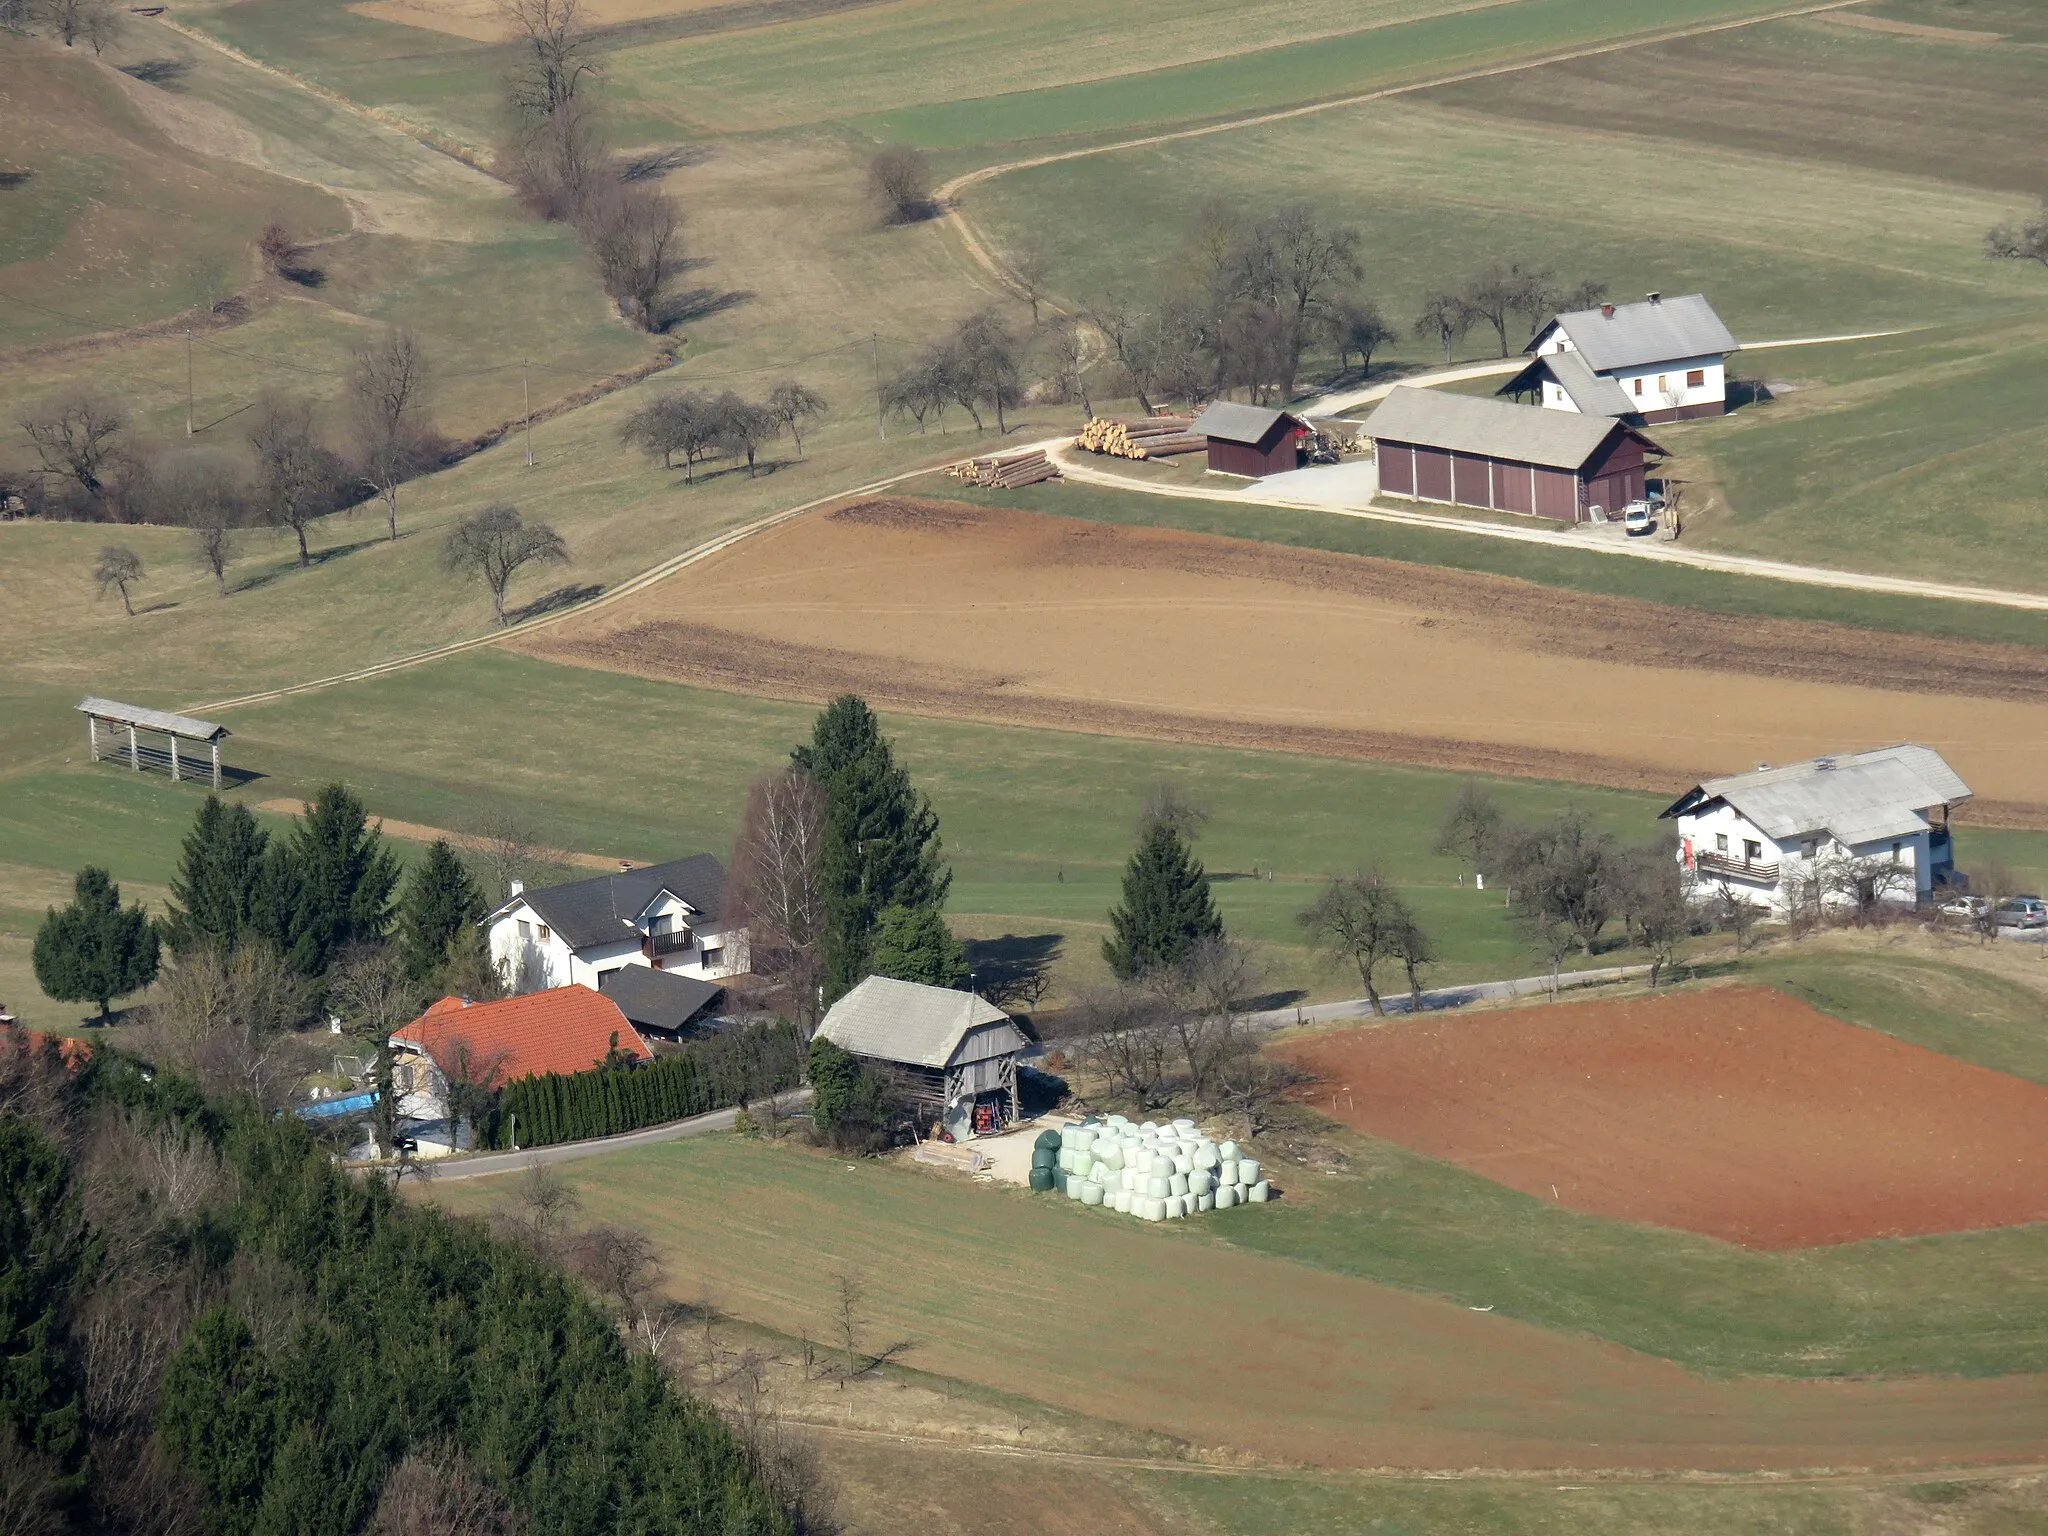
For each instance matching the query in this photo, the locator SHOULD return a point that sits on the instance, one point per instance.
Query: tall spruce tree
(881, 837)
(914, 944)
(220, 869)
(440, 903)
(94, 950)
(328, 885)
(47, 1257)
(1166, 909)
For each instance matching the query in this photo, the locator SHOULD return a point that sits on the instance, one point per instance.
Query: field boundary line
(627, 588)
(949, 192)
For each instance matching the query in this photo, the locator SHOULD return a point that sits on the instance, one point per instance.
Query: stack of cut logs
(1142, 437)
(1007, 471)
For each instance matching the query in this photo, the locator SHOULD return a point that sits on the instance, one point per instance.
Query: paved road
(1435, 999)
(568, 1152)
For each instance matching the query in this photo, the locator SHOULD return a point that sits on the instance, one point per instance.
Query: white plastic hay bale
(1205, 1202)
(1228, 1151)
(1111, 1157)
(1118, 1120)
(1154, 1210)
(1091, 1192)
(1226, 1197)
(1247, 1171)
(1149, 1128)
(1158, 1187)
(1261, 1193)
(1178, 1184)
(1098, 1172)
(1201, 1182)
(1183, 1164)
(1185, 1127)
(1206, 1156)
(1176, 1207)
(1227, 1174)
(1122, 1200)
(1073, 1187)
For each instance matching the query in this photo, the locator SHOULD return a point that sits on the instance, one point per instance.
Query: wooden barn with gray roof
(1475, 452)
(954, 1052)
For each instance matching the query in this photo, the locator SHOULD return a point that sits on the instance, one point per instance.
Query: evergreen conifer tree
(914, 944)
(328, 885)
(93, 950)
(1166, 908)
(881, 837)
(213, 894)
(440, 902)
(47, 1255)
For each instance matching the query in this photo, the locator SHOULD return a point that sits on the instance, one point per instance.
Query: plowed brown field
(992, 614)
(1736, 1112)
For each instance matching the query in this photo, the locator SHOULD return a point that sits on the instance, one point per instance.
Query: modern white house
(670, 917)
(1660, 360)
(1817, 831)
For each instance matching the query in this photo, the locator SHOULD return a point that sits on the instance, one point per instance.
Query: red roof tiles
(564, 1029)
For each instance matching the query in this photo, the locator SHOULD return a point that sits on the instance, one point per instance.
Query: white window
(1751, 851)
(525, 931)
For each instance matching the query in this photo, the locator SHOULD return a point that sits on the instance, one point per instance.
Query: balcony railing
(1718, 865)
(672, 943)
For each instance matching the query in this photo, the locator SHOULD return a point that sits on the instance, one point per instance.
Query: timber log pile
(1143, 437)
(1007, 471)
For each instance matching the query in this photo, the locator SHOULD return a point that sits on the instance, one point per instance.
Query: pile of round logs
(1007, 471)
(1142, 437)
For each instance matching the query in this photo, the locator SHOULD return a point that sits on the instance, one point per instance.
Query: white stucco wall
(1705, 832)
(708, 957)
(1659, 381)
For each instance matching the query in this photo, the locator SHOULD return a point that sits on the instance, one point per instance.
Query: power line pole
(875, 355)
(526, 403)
(188, 381)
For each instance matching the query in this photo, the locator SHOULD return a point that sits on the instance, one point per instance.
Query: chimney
(1655, 298)
(1607, 311)
(518, 887)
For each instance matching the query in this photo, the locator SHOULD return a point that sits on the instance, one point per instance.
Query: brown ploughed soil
(1736, 1112)
(993, 614)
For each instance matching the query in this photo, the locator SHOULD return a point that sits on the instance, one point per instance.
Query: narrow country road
(492, 1163)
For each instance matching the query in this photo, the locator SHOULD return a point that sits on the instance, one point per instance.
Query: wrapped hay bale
(1261, 1193)
(1091, 1192)
(1070, 1187)
(1226, 1197)
(1041, 1179)
(1178, 1184)
(1227, 1152)
(1157, 1187)
(1227, 1174)
(1154, 1210)
(1247, 1171)
(1205, 1202)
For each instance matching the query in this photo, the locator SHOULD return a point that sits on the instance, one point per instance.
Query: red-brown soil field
(988, 613)
(1736, 1112)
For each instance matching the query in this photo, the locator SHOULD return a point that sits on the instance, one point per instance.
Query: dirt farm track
(992, 614)
(1737, 1112)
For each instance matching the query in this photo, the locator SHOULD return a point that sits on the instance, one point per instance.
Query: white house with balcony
(670, 917)
(1820, 829)
(1660, 360)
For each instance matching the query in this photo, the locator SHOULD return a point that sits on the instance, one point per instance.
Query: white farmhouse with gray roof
(954, 1052)
(1817, 830)
(670, 917)
(1660, 360)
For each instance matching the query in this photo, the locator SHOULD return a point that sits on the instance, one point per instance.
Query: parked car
(1638, 518)
(1970, 907)
(2023, 912)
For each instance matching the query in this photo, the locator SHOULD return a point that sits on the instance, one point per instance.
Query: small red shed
(1477, 452)
(1250, 439)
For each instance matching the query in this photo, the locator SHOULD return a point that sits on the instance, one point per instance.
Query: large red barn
(1476, 452)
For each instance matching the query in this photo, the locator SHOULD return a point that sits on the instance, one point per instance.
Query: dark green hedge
(740, 1066)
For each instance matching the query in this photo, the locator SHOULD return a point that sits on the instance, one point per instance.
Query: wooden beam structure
(135, 718)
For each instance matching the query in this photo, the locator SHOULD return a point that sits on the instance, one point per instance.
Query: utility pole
(188, 381)
(875, 356)
(526, 404)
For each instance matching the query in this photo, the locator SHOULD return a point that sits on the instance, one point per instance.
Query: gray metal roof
(1500, 429)
(1858, 797)
(657, 999)
(909, 1022)
(1236, 423)
(1591, 393)
(1636, 334)
(602, 910)
(152, 719)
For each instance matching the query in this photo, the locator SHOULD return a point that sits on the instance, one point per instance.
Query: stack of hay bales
(1045, 1160)
(1152, 1171)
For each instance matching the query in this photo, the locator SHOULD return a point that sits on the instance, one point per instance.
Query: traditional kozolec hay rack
(1151, 1171)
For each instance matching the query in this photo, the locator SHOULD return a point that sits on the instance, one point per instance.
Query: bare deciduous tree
(1362, 920)
(635, 237)
(1471, 830)
(96, 23)
(387, 385)
(795, 406)
(495, 544)
(1030, 266)
(775, 888)
(1122, 1033)
(295, 472)
(1354, 324)
(1444, 318)
(368, 989)
(621, 1266)
(901, 180)
(556, 56)
(744, 427)
(685, 423)
(2020, 240)
(1068, 349)
(541, 1209)
(1497, 293)
(213, 548)
(117, 569)
(990, 366)
(227, 1021)
(436, 1492)
(75, 439)
(1256, 1085)
(1167, 804)
(1202, 999)
(502, 846)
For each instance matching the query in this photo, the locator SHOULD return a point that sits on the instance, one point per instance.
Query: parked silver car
(2023, 912)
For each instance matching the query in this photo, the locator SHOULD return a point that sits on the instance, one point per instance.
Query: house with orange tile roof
(487, 1045)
